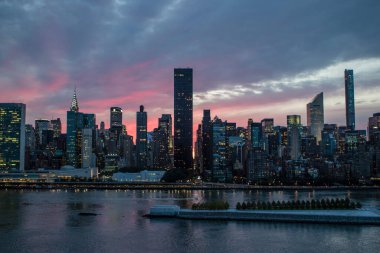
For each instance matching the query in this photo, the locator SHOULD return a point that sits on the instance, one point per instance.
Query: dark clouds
(123, 53)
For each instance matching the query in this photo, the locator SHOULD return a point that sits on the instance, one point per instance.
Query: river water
(49, 221)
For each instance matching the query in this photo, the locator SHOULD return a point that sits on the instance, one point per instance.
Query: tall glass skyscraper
(116, 117)
(206, 144)
(294, 135)
(88, 156)
(74, 137)
(256, 135)
(12, 136)
(161, 157)
(56, 127)
(116, 121)
(350, 98)
(76, 123)
(220, 172)
(41, 125)
(141, 138)
(168, 117)
(183, 118)
(315, 116)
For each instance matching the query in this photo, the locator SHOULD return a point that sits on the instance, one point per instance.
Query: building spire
(74, 103)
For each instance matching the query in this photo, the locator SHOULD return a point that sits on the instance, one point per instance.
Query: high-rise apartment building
(294, 135)
(12, 136)
(206, 144)
(183, 118)
(315, 116)
(141, 138)
(350, 98)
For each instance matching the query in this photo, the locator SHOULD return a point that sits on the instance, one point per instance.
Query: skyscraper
(350, 98)
(315, 116)
(88, 156)
(40, 125)
(74, 134)
(89, 120)
(56, 127)
(116, 121)
(198, 151)
(168, 118)
(294, 135)
(267, 126)
(374, 127)
(12, 136)
(267, 133)
(220, 170)
(30, 138)
(161, 157)
(256, 135)
(116, 117)
(141, 138)
(183, 118)
(76, 123)
(206, 144)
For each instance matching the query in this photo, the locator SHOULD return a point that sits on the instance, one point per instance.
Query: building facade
(116, 122)
(350, 98)
(76, 122)
(315, 116)
(141, 138)
(183, 118)
(12, 136)
(40, 126)
(206, 144)
(220, 170)
(294, 136)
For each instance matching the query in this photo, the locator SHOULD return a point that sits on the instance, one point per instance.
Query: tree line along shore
(318, 204)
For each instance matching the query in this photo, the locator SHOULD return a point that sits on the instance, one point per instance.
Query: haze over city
(250, 60)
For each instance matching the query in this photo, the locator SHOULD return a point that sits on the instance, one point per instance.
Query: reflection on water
(49, 221)
(79, 221)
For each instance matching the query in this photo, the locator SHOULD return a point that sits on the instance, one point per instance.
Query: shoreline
(342, 217)
(168, 186)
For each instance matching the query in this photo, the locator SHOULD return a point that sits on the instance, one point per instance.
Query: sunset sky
(251, 59)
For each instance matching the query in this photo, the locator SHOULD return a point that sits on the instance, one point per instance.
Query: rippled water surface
(49, 221)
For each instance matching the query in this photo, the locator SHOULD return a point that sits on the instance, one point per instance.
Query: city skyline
(132, 125)
(110, 53)
(152, 123)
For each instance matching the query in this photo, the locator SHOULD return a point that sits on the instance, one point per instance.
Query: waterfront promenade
(165, 186)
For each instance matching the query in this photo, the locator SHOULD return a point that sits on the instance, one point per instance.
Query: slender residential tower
(350, 98)
(315, 116)
(183, 118)
(141, 138)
